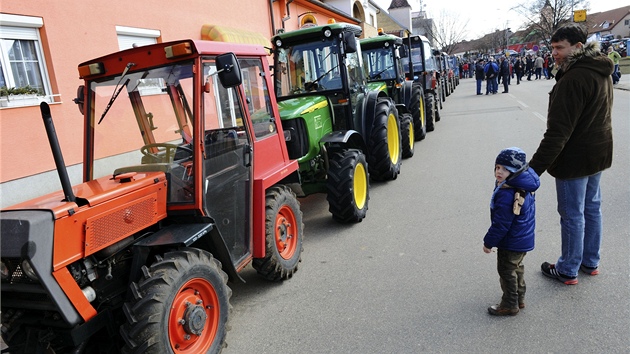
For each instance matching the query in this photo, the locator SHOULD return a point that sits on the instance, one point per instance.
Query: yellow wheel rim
(422, 117)
(393, 143)
(360, 186)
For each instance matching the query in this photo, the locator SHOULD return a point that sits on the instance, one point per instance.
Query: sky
(486, 17)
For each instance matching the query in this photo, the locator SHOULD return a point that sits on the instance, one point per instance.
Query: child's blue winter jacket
(510, 231)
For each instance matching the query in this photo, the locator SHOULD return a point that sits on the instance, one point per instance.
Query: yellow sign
(579, 16)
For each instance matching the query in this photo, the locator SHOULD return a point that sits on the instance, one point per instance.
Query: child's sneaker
(589, 270)
(550, 271)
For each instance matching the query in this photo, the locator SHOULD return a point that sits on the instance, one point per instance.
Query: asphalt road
(412, 277)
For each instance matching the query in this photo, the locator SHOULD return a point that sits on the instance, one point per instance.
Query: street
(412, 277)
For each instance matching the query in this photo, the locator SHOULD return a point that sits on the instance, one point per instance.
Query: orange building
(42, 43)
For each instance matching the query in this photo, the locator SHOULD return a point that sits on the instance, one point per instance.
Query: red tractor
(185, 176)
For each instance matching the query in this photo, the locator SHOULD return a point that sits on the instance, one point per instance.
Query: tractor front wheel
(284, 233)
(348, 186)
(407, 132)
(384, 142)
(418, 112)
(431, 111)
(181, 305)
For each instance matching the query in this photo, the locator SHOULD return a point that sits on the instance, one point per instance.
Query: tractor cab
(322, 60)
(173, 109)
(382, 58)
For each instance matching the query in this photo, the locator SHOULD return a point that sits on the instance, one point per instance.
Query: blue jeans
(615, 75)
(579, 206)
(479, 86)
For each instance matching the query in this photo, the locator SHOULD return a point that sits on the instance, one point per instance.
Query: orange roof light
(91, 69)
(178, 50)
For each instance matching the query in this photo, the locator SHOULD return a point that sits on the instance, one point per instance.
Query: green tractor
(382, 56)
(341, 133)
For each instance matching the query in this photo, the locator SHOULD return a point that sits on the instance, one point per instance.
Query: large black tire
(181, 305)
(384, 143)
(408, 135)
(431, 111)
(348, 186)
(418, 112)
(284, 231)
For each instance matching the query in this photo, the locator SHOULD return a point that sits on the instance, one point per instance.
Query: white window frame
(23, 28)
(131, 37)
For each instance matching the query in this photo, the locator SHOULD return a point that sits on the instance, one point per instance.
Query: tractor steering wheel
(169, 151)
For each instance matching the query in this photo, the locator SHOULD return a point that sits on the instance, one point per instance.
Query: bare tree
(543, 17)
(447, 30)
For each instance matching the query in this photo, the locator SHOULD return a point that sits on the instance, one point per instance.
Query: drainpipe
(284, 19)
(273, 21)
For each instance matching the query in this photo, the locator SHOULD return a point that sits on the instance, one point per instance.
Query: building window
(130, 37)
(23, 75)
(626, 22)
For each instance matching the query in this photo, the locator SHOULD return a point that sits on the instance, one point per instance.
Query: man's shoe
(550, 271)
(589, 270)
(497, 310)
(504, 92)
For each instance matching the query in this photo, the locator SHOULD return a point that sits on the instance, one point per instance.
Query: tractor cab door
(227, 167)
(357, 85)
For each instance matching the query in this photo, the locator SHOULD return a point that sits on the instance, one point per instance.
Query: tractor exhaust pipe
(56, 151)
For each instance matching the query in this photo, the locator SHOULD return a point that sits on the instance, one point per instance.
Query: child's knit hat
(513, 159)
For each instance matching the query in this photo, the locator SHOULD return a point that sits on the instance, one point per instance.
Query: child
(512, 211)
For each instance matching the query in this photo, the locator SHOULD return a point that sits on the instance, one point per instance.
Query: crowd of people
(504, 69)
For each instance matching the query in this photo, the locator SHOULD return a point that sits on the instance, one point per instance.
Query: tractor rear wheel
(348, 186)
(284, 235)
(418, 113)
(431, 111)
(181, 305)
(384, 142)
(407, 132)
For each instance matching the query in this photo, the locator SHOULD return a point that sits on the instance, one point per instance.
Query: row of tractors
(193, 175)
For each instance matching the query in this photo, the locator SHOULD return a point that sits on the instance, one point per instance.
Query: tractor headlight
(278, 42)
(4, 270)
(28, 270)
(327, 32)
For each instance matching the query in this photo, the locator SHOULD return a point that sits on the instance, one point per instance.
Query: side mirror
(80, 100)
(350, 42)
(402, 51)
(228, 70)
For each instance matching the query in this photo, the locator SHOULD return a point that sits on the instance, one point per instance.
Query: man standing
(479, 75)
(538, 65)
(518, 69)
(614, 56)
(491, 69)
(504, 73)
(577, 146)
(529, 67)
